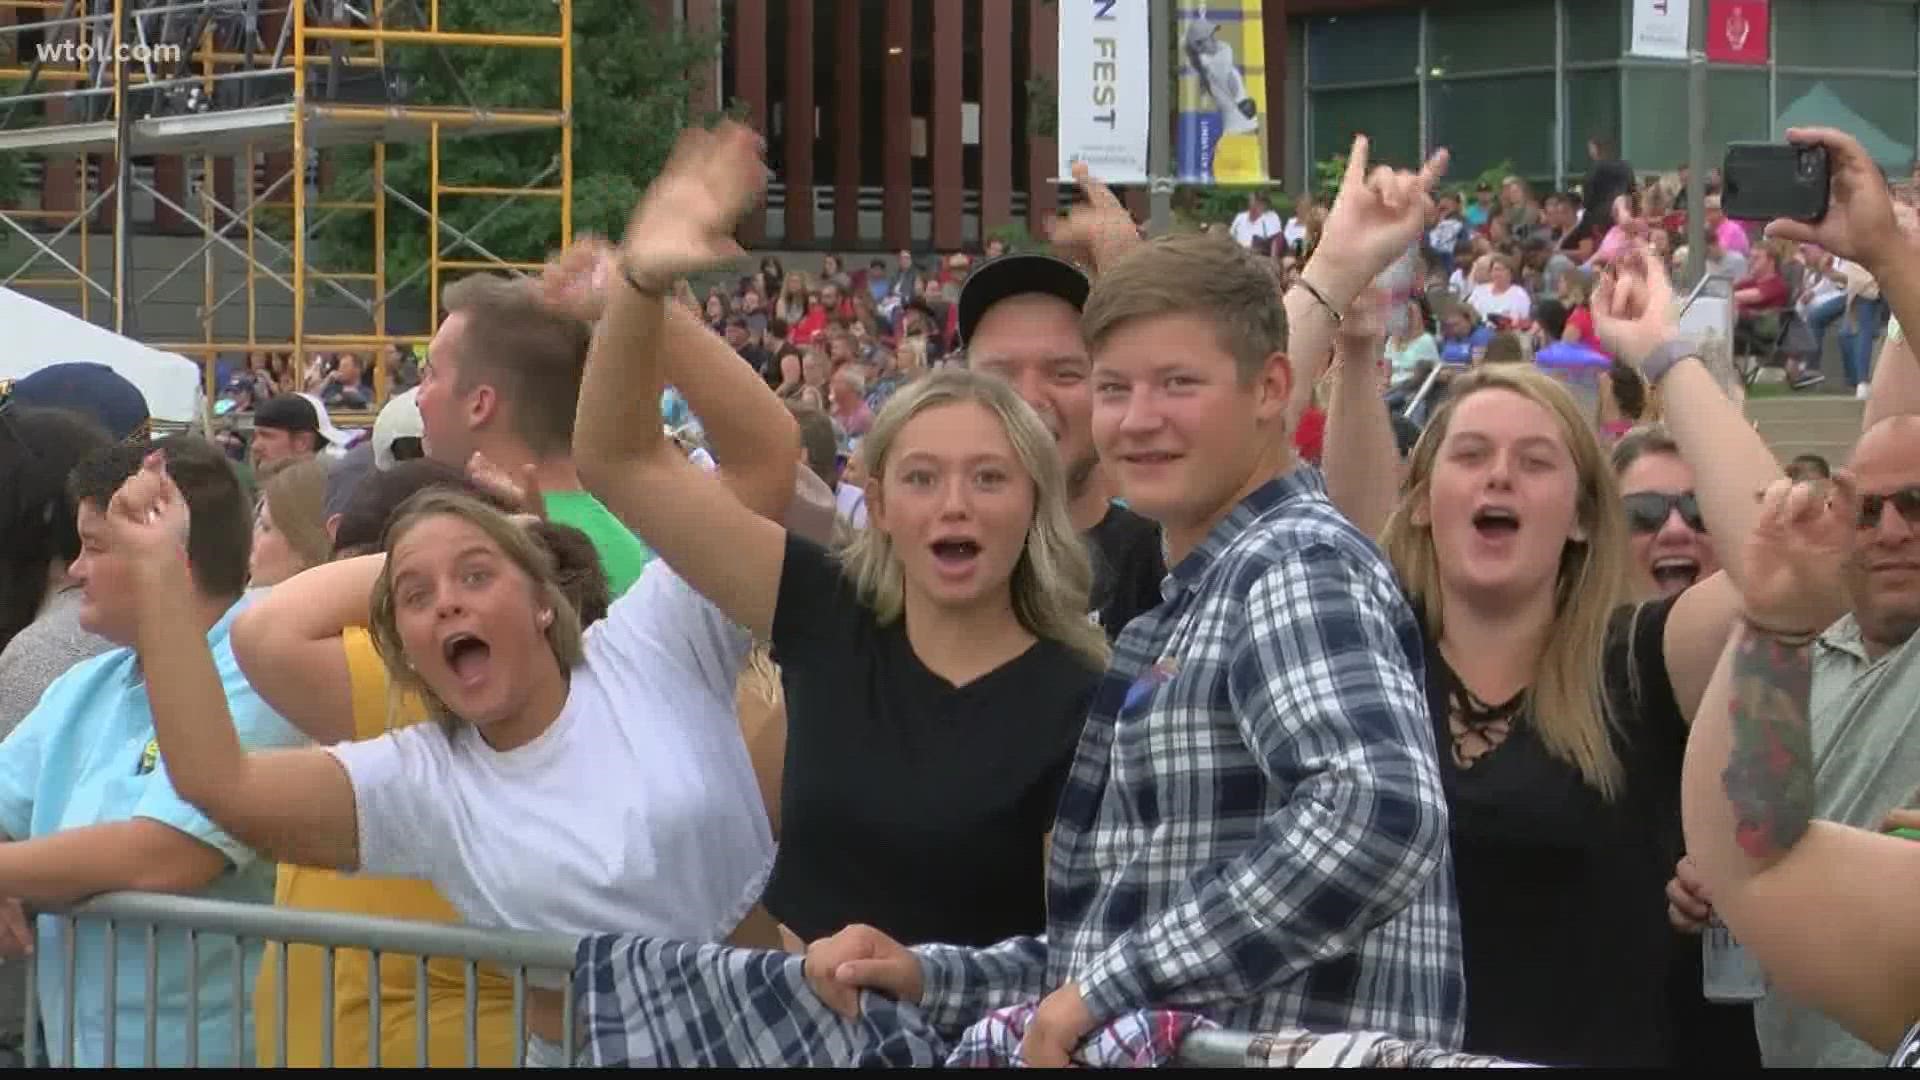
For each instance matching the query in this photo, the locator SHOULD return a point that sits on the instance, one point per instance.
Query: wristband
(1664, 356)
(1319, 297)
(639, 285)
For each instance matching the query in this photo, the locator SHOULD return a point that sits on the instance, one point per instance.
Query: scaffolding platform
(270, 127)
(211, 80)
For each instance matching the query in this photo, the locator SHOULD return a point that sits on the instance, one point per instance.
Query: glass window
(1657, 114)
(1498, 36)
(1845, 34)
(1389, 116)
(1878, 112)
(1593, 108)
(1363, 47)
(1487, 121)
(1593, 30)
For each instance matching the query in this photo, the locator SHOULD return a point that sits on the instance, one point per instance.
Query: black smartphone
(1763, 181)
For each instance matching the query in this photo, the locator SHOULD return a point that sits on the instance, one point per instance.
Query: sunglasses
(1906, 502)
(1647, 511)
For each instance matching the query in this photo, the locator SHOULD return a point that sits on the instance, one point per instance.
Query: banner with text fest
(1223, 93)
(1105, 104)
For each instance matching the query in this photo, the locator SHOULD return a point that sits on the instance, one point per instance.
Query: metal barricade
(519, 953)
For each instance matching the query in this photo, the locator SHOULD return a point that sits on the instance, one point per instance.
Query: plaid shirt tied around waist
(1254, 826)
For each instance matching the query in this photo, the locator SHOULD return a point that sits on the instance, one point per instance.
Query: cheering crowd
(1109, 717)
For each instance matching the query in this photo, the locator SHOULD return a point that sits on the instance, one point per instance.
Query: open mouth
(467, 655)
(1150, 457)
(1675, 572)
(1495, 522)
(956, 553)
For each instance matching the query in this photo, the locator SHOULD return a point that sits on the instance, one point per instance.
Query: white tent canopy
(34, 335)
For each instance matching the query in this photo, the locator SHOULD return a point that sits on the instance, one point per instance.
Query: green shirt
(622, 555)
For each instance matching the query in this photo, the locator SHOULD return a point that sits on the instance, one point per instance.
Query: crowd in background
(1063, 642)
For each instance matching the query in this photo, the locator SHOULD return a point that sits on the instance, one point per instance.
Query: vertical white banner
(1105, 105)
(1660, 29)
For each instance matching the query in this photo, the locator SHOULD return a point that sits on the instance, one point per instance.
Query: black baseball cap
(289, 412)
(1016, 275)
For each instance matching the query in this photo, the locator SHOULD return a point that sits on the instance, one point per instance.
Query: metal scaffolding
(210, 79)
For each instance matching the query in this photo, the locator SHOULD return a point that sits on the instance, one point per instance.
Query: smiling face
(1175, 424)
(1883, 572)
(1502, 498)
(469, 620)
(1033, 342)
(1671, 555)
(105, 578)
(956, 504)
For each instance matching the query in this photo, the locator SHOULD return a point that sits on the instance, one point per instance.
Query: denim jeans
(1858, 331)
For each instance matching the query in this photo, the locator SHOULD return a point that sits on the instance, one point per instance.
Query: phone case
(1763, 181)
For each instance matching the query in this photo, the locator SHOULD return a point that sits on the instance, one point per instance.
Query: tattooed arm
(1826, 909)
(1769, 775)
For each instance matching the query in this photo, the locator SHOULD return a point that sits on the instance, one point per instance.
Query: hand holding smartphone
(1764, 181)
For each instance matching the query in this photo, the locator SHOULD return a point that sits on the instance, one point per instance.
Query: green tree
(631, 83)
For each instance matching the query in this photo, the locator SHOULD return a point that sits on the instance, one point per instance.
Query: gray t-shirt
(1866, 750)
(37, 655)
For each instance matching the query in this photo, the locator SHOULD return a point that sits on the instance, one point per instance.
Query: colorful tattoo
(1769, 775)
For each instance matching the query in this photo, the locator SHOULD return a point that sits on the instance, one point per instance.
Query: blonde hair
(1054, 576)
(563, 633)
(1566, 699)
(1203, 274)
(296, 496)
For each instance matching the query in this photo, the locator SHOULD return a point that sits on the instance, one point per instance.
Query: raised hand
(1633, 305)
(148, 518)
(521, 492)
(1098, 232)
(684, 222)
(1860, 223)
(1378, 214)
(1796, 557)
(575, 281)
(861, 958)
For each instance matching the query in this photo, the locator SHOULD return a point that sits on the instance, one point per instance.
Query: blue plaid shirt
(1254, 826)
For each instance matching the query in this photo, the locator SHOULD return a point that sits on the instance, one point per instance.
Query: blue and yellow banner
(1223, 92)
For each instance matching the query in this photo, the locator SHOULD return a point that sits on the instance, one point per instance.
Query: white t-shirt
(1247, 228)
(1514, 303)
(636, 812)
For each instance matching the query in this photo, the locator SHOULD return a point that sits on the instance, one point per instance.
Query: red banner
(1737, 31)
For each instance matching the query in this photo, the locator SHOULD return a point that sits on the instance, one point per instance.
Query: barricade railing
(520, 954)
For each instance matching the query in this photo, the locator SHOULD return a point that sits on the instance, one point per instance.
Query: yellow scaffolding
(306, 123)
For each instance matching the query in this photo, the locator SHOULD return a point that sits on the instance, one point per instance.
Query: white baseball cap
(400, 419)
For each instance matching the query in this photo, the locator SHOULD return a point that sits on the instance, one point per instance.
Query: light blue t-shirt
(86, 755)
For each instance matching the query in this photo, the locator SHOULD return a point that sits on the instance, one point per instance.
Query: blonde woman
(937, 672)
(1560, 710)
(290, 526)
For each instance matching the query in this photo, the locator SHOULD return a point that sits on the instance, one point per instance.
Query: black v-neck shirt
(1562, 894)
(908, 803)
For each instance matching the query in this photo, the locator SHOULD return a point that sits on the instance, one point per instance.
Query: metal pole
(1559, 95)
(1160, 135)
(123, 181)
(1422, 107)
(1696, 142)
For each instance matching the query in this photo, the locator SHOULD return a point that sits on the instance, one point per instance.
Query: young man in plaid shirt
(1254, 828)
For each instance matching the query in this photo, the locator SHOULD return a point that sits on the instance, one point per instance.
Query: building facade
(929, 121)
